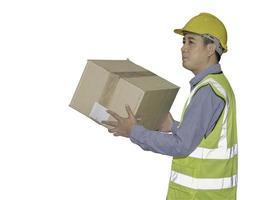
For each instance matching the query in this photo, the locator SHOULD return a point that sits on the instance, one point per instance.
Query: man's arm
(199, 120)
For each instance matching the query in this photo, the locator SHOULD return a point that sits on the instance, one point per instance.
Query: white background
(50, 151)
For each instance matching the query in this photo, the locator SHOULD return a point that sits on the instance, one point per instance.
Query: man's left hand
(123, 126)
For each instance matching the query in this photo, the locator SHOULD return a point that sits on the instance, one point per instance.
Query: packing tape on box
(134, 74)
(113, 80)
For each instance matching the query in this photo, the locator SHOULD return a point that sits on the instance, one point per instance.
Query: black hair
(207, 41)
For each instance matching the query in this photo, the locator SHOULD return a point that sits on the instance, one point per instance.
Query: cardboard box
(110, 84)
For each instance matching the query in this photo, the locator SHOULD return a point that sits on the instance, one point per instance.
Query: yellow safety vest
(210, 171)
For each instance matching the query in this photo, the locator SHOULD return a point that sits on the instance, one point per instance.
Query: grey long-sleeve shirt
(199, 120)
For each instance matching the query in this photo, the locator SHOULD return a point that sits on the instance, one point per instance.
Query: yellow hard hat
(206, 23)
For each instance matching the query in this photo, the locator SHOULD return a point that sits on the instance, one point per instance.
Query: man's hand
(123, 126)
(166, 123)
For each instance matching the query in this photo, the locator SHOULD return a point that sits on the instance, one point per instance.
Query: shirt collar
(212, 69)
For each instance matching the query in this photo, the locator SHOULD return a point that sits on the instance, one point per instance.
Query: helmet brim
(179, 31)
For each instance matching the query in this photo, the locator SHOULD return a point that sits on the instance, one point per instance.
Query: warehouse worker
(204, 143)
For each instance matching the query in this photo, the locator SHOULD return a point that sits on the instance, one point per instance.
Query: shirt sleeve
(200, 118)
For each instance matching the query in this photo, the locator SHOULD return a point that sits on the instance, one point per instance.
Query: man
(204, 143)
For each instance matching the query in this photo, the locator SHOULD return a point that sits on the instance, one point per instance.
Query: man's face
(194, 52)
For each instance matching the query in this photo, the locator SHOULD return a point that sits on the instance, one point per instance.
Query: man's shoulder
(207, 93)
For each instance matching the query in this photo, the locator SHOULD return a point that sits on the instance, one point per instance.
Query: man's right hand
(166, 123)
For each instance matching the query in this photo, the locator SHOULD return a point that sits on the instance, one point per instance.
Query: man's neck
(205, 66)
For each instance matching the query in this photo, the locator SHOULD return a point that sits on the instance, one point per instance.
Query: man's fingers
(112, 130)
(115, 115)
(129, 111)
(110, 123)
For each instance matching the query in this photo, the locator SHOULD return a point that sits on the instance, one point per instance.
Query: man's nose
(184, 48)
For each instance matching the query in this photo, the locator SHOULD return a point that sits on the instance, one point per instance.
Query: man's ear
(211, 49)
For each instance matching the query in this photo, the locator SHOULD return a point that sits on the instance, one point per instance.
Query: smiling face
(195, 54)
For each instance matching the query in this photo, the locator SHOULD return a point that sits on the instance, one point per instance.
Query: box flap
(147, 83)
(118, 65)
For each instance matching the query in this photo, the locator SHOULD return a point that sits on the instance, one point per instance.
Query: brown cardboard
(110, 84)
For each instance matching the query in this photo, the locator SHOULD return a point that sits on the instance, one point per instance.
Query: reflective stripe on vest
(203, 183)
(221, 152)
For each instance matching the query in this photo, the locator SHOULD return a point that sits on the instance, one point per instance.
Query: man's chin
(185, 65)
